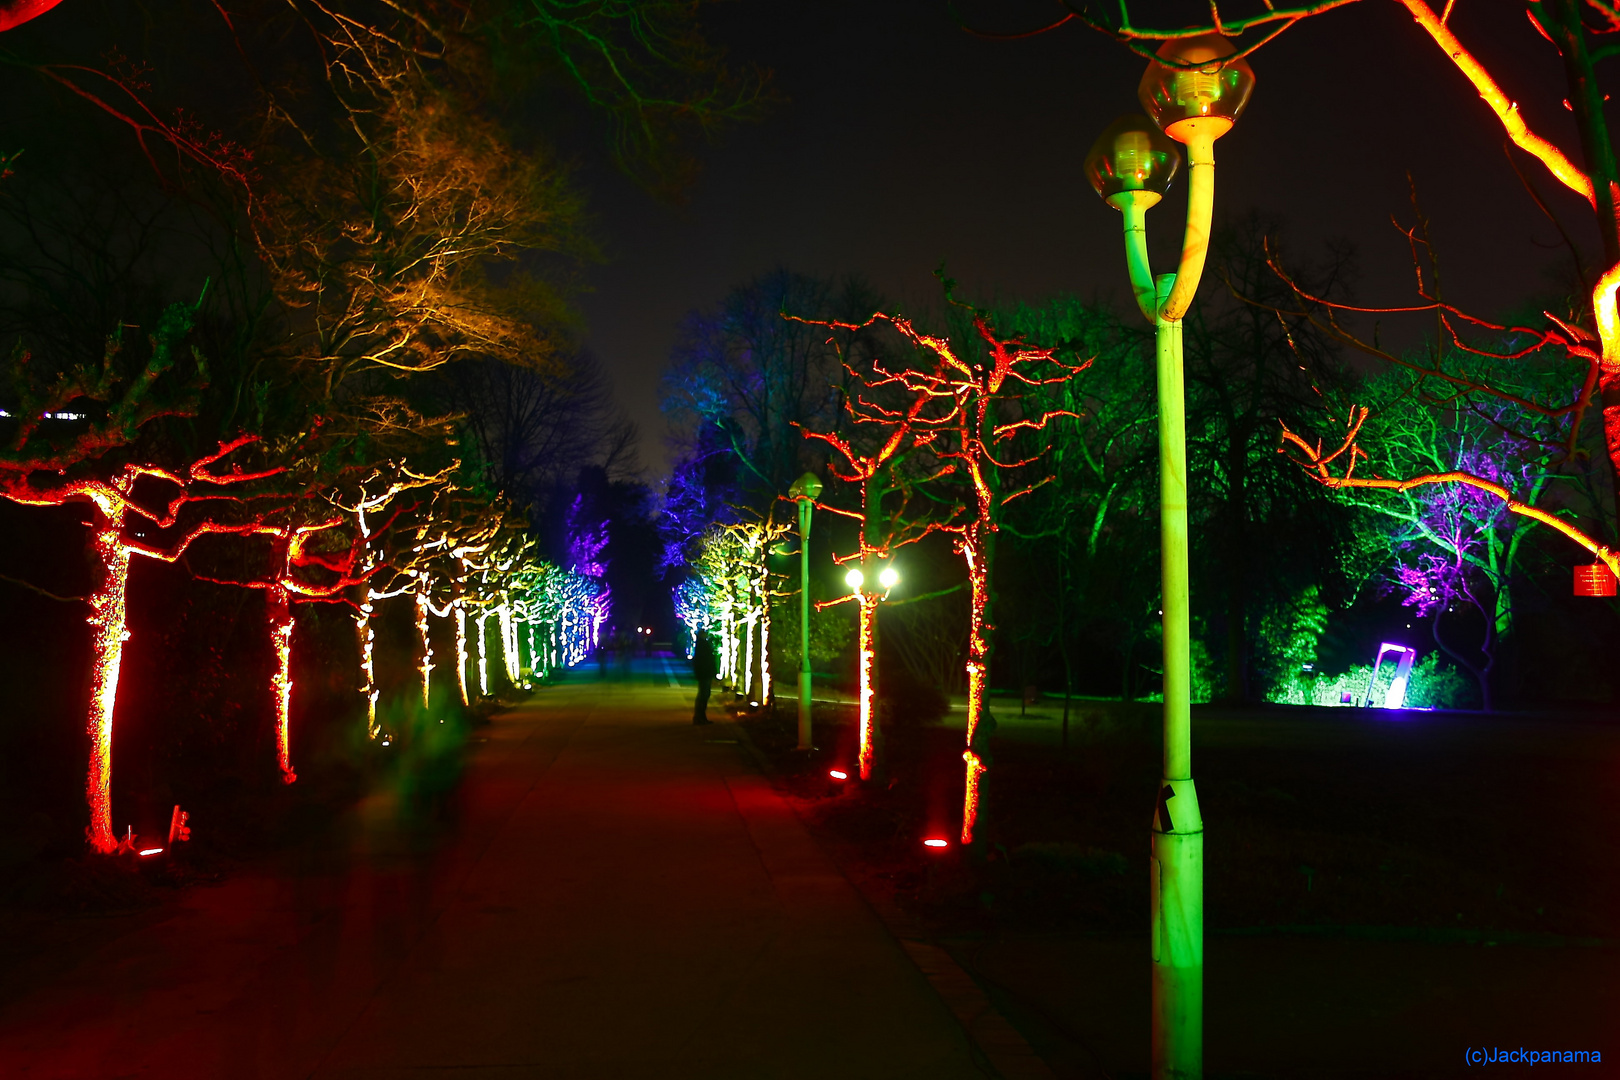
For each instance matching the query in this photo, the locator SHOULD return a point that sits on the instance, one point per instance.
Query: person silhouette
(703, 669)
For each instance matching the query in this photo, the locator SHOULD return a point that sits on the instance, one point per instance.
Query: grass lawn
(1392, 882)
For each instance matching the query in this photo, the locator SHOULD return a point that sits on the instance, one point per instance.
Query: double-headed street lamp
(871, 735)
(1193, 91)
(805, 490)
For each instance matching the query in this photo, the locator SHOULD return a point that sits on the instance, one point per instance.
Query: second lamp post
(1193, 91)
(805, 490)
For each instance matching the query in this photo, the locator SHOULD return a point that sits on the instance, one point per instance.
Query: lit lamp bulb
(1132, 155)
(855, 579)
(889, 577)
(1196, 88)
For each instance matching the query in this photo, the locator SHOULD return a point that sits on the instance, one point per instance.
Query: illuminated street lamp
(1193, 90)
(866, 652)
(805, 490)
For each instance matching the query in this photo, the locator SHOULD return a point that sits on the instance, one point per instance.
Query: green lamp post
(1193, 91)
(805, 490)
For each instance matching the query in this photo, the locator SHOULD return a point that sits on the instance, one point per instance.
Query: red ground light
(936, 842)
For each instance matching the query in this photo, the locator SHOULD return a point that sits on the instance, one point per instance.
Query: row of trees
(285, 302)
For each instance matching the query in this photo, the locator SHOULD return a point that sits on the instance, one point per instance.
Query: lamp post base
(1177, 893)
(804, 711)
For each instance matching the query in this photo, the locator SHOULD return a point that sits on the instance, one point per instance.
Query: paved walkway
(623, 896)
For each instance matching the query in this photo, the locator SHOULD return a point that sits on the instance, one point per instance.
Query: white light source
(889, 577)
(854, 579)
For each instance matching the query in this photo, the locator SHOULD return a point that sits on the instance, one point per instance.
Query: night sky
(904, 140)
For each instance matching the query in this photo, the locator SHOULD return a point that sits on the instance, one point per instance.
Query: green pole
(1177, 842)
(1177, 864)
(805, 507)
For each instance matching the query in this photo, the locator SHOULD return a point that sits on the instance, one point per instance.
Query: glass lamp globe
(807, 486)
(1132, 155)
(854, 579)
(1196, 83)
(889, 577)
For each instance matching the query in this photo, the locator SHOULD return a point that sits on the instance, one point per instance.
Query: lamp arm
(1200, 211)
(1133, 208)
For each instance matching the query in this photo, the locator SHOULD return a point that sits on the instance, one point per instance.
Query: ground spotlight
(838, 774)
(936, 842)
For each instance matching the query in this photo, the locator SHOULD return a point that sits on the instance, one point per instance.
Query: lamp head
(1132, 155)
(1197, 85)
(889, 577)
(855, 579)
(807, 486)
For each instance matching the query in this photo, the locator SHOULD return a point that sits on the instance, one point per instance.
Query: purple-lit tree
(587, 557)
(1459, 547)
(1438, 583)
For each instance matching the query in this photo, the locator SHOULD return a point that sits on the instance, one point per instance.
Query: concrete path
(623, 895)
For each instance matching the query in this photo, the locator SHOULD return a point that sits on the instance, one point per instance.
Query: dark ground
(1380, 893)
(608, 892)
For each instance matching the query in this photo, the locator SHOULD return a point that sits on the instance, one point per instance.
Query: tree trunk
(424, 645)
(461, 651)
(107, 621)
(367, 640)
(979, 723)
(483, 653)
(866, 658)
(278, 612)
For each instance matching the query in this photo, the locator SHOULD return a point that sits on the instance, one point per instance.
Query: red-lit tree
(889, 454)
(56, 457)
(982, 376)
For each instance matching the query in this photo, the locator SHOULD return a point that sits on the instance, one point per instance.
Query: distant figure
(703, 668)
(623, 643)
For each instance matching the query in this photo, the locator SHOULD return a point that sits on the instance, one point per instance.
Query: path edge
(1001, 1045)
